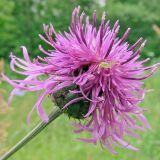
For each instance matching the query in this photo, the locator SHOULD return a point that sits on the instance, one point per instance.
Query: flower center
(105, 65)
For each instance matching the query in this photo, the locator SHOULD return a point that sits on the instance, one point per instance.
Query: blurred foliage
(21, 21)
(8, 27)
(3, 104)
(1, 68)
(4, 109)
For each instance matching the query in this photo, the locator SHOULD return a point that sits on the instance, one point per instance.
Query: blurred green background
(20, 23)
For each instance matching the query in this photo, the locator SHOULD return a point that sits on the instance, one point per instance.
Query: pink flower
(105, 69)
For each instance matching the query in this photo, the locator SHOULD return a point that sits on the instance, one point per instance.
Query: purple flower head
(106, 71)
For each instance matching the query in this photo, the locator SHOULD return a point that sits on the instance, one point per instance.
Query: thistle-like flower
(101, 72)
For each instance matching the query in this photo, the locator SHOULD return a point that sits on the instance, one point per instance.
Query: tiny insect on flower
(102, 72)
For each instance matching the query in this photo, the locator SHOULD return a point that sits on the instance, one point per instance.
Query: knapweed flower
(99, 69)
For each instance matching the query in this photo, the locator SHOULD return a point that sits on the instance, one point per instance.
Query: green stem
(56, 113)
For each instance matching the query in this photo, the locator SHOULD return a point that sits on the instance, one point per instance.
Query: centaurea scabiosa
(102, 73)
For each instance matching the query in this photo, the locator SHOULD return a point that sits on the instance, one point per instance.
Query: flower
(105, 71)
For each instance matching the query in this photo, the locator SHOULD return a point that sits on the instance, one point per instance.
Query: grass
(58, 142)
